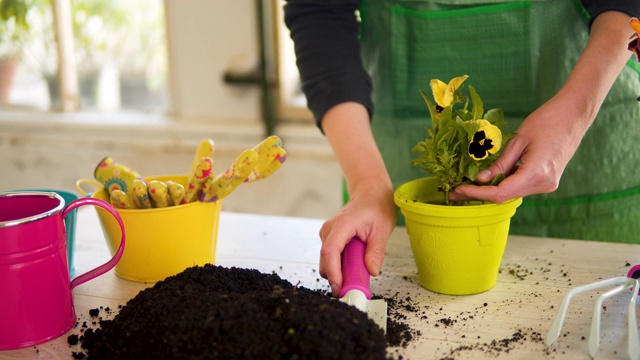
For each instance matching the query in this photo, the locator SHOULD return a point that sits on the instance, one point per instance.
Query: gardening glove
(205, 149)
(139, 195)
(176, 192)
(203, 171)
(115, 176)
(270, 156)
(120, 200)
(159, 193)
(225, 183)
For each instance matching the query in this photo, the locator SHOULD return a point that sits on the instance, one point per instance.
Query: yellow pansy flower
(443, 93)
(487, 140)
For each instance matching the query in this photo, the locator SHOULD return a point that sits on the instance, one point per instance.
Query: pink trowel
(355, 284)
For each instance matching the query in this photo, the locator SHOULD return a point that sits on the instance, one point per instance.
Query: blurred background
(143, 81)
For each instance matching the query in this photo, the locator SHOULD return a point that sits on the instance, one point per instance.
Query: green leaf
(463, 115)
(432, 109)
(498, 179)
(478, 107)
(470, 128)
(495, 117)
(446, 114)
(472, 172)
(15, 9)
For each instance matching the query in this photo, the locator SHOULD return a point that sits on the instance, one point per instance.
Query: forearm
(325, 34)
(348, 130)
(599, 65)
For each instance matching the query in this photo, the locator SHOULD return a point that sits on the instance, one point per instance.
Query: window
(293, 104)
(118, 57)
(166, 59)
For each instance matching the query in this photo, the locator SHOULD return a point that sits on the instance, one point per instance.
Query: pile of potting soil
(211, 312)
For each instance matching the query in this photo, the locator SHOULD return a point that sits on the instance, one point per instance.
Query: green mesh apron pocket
(443, 44)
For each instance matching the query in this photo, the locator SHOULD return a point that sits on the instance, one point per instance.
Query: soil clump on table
(212, 312)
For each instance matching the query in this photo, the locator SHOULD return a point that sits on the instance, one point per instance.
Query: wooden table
(535, 275)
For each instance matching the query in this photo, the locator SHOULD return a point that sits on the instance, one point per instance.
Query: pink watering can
(36, 304)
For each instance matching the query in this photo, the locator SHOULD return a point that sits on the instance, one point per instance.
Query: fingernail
(335, 289)
(376, 267)
(484, 173)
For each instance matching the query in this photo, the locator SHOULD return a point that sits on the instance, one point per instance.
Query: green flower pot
(457, 249)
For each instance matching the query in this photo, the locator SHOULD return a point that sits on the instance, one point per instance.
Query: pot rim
(42, 215)
(413, 205)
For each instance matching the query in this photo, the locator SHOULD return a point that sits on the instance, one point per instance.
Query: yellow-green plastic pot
(162, 241)
(457, 249)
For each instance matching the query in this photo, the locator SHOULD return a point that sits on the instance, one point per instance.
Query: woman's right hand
(370, 213)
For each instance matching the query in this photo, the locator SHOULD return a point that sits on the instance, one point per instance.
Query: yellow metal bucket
(161, 241)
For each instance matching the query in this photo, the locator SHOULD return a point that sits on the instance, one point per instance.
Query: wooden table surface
(510, 321)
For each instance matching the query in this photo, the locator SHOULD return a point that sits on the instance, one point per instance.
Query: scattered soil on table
(497, 346)
(399, 333)
(214, 312)
(438, 319)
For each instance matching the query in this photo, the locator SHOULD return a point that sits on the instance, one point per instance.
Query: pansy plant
(462, 141)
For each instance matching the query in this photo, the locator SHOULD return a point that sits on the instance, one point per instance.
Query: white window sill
(139, 128)
(55, 150)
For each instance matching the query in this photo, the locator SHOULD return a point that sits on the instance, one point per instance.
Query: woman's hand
(370, 213)
(536, 157)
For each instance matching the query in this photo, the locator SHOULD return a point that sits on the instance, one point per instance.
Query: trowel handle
(355, 275)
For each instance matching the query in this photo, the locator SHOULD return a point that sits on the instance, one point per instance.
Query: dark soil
(497, 346)
(399, 333)
(212, 312)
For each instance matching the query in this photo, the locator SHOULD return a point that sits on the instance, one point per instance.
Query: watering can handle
(81, 279)
(355, 275)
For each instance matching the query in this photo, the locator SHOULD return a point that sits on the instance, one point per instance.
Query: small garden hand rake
(621, 284)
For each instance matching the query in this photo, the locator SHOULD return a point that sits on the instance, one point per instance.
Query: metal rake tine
(554, 331)
(594, 336)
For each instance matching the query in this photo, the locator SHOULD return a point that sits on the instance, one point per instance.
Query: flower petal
(457, 81)
(487, 140)
(438, 88)
(635, 25)
(493, 133)
(450, 91)
(477, 150)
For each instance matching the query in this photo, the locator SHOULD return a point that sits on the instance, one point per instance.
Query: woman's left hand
(535, 158)
(533, 161)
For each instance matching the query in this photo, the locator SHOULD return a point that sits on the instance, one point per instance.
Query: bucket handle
(91, 274)
(80, 182)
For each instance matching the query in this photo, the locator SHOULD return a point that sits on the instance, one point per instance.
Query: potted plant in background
(14, 34)
(99, 31)
(458, 247)
(142, 60)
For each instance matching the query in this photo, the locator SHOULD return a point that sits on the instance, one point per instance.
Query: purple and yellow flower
(487, 140)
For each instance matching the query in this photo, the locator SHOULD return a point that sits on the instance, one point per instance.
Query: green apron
(518, 55)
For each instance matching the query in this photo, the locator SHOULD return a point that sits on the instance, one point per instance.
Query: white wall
(55, 150)
(205, 39)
